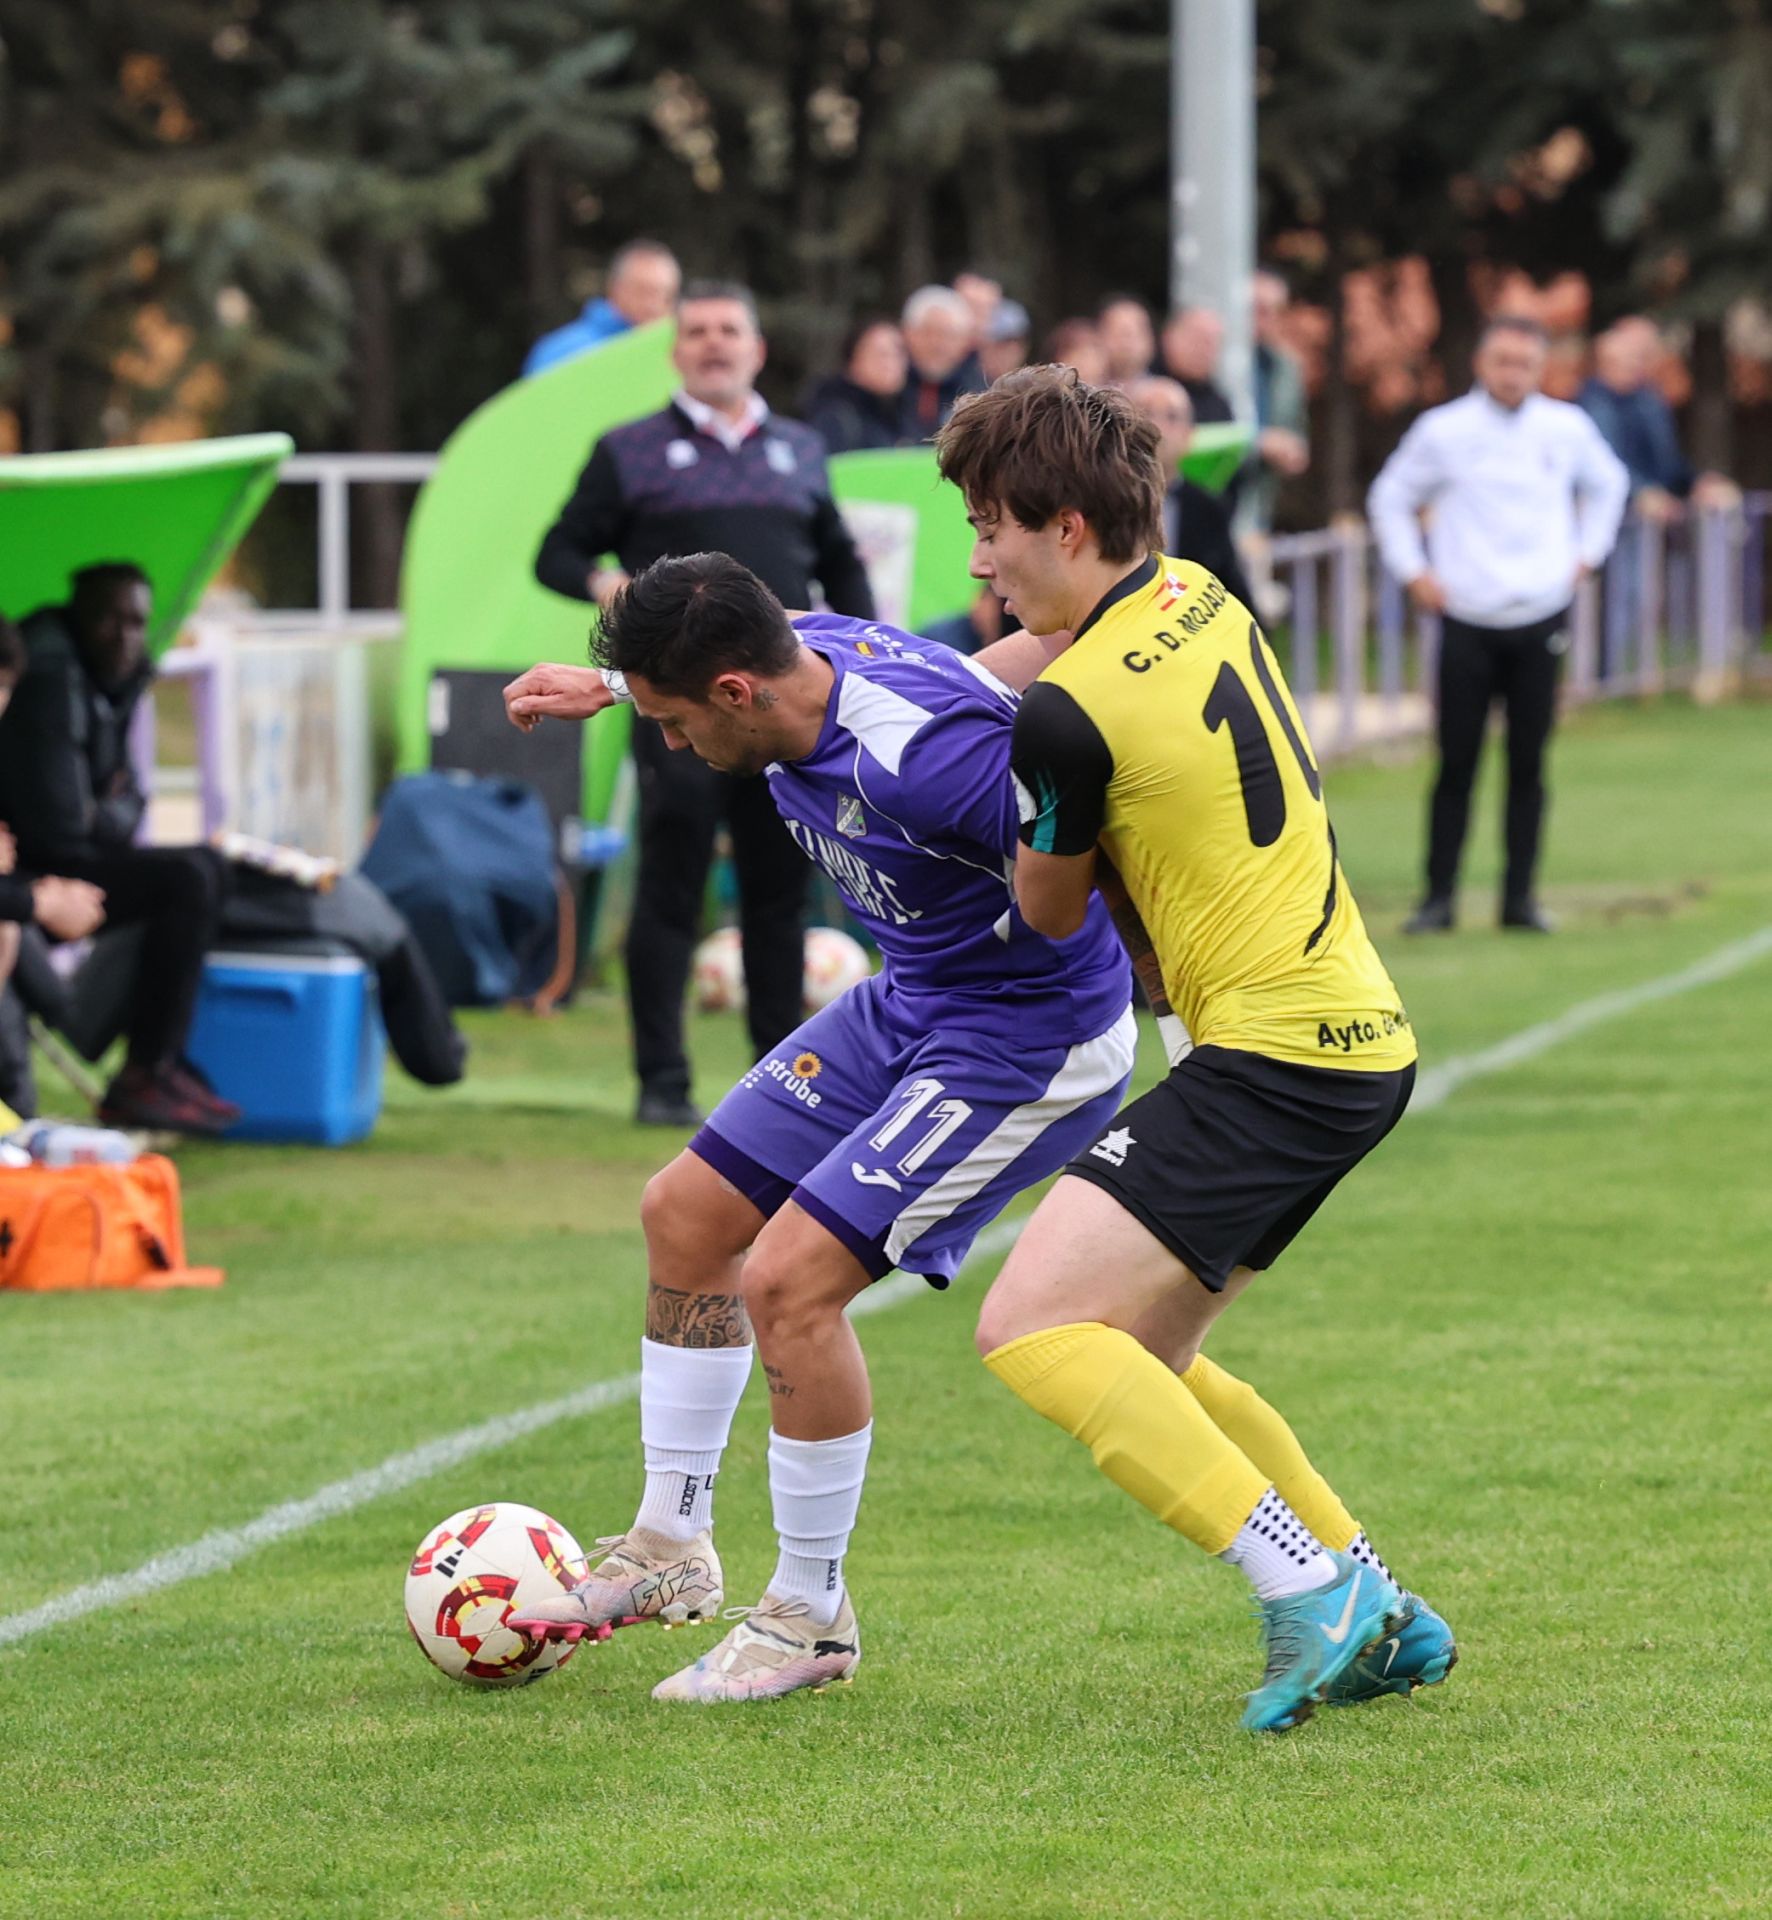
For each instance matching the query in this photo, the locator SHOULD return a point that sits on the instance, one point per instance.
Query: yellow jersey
(1166, 733)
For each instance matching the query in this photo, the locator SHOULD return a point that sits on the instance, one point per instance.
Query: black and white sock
(1278, 1552)
(1361, 1549)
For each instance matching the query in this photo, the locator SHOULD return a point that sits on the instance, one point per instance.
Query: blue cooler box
(294, 1038)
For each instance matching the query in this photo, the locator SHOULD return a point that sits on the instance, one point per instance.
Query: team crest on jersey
(851, 821)
(1173, 589)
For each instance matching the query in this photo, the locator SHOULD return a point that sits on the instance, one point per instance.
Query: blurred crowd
(899, 375)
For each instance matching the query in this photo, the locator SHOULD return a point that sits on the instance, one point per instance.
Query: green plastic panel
(177, 511)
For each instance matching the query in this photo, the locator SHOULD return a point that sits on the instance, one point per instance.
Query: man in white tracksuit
(1525, 502)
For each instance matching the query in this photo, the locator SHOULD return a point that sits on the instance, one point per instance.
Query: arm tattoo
(1133, 937)
(676, 1319)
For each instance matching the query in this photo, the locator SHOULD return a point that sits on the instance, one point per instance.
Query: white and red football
(719, 972)
(835, 962)
(471, 1574)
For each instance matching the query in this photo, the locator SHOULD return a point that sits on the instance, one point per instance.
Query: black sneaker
(191, 1082)
(142, 1102)
(668, 1110)
(1526, 916)
(1432, 916)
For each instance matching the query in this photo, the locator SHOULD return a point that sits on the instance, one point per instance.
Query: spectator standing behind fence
(859, 408)
(1526, 499)
(1076, 343)
(1005, 343)
(1637, 423)
(1127, 339)
(1196, 525)
(717, 472)
(1282, 447)
(69, 796)
(939, 327)
(1193, 339)
(643, 281)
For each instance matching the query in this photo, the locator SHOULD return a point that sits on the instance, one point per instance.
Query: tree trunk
(1460, 322)
(38, 393)
(1712, 432)
(1341, 424)
(378, 525)
(541, 240)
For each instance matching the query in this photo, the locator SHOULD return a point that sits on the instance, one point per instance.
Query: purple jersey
(907, 804)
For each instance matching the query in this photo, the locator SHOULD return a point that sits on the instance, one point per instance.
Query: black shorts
(1226, 1159)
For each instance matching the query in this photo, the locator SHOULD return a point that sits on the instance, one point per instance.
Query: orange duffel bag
(66, 1228)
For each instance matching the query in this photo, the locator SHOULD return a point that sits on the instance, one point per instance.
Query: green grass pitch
(1531, 1343)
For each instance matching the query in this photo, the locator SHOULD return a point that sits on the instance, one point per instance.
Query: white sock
(1361, 1549)
(815, 1486)
(1278, 1551)
(688, 1396)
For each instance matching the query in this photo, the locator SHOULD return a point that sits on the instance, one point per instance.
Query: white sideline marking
(226, 1545)
(1438, 1084)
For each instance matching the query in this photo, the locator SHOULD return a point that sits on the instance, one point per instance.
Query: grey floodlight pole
(1212, 145)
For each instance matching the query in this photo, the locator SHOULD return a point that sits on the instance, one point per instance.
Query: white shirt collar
(705, 420)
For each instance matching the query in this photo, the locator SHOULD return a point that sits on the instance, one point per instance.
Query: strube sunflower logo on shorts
(797, 1077)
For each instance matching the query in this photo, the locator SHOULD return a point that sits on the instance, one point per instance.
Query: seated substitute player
(1164, 739)
(885, 1131)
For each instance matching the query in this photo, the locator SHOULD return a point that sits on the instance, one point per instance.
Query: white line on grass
(226, 1545)
(1440, 1083)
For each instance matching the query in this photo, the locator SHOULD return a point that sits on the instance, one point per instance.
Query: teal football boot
(1313, 1638)
(1418, 1651)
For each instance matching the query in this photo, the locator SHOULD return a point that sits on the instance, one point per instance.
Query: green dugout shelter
(468, 589)
(177, 511)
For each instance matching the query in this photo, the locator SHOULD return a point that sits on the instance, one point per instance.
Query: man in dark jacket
(857, 410)
(717, 472)
(939, 333)
(1196, 525)
(64, 909)
(69, 796)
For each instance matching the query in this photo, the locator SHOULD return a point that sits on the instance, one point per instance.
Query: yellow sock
(1240, 1413)
(1148, 1433)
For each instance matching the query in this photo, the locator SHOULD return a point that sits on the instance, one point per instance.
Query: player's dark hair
(680, 622)
(12, 651)
(94, 586)
(1521, 323)
(721, 290)
(1041, 440)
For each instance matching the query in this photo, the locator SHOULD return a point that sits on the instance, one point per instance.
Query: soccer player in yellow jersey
(1159, 756)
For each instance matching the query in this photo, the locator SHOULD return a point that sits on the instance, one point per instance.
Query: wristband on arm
(617, 683)
(1178, 1043)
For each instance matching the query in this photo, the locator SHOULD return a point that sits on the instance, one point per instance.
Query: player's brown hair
(1041, 440)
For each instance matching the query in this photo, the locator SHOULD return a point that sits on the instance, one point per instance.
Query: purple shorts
(905, 1143)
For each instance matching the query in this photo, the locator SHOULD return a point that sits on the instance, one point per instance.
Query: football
(719, 972)
(834, 963)
(471, 1573)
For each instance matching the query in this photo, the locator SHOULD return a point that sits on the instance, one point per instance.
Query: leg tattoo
(678, 1319)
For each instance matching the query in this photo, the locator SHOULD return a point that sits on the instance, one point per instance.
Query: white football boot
(643, 1576)
(775, 1649)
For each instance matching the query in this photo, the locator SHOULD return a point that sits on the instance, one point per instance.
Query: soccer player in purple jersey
(885, 1132)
